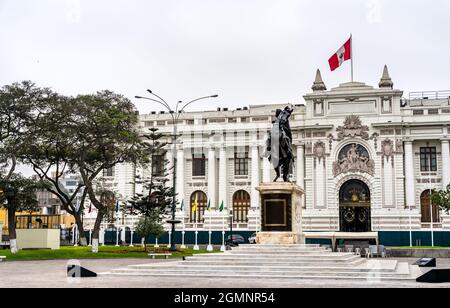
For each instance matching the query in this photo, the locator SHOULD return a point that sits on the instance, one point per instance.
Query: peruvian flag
(343, 54)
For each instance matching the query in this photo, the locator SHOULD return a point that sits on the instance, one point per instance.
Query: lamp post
(175, 114)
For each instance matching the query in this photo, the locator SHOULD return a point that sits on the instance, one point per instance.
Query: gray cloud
(250, 52)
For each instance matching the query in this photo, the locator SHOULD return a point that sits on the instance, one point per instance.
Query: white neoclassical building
(366, 157)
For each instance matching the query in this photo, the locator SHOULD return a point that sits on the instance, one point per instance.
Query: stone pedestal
(281, 214)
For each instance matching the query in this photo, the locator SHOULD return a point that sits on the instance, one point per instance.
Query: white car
(252, 239)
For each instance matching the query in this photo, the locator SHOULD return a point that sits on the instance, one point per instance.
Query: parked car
(252, 239)
(234, 240)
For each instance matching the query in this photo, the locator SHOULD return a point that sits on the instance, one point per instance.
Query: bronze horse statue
(279, 144)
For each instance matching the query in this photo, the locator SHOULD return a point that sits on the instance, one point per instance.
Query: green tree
(441, 198)
(105, 128)
(19, 104)
(153, 205)
(17, 194)
(147, 226)
(48, 149)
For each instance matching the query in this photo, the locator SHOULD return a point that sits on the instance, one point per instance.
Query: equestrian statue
(279, 144)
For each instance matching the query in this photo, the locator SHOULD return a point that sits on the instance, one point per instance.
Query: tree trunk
(79, 222)
(12, 230)
(96, 231)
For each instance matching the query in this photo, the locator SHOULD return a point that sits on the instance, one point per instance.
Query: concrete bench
(154, 255)
(1, 258)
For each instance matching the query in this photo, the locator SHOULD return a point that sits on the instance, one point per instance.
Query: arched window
(425, 209)
(202, 203)
(241, 206)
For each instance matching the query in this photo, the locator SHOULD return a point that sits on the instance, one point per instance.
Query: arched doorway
(241, 206)
(202, 203)
(354, 207)
(426, 211)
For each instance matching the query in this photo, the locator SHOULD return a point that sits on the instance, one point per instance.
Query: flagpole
(223, 249)
(431, 207)
(183, 246)
(351, 53)
(210, 248)
(196, 248)
(222, 209)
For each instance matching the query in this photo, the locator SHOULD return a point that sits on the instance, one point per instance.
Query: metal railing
(429, 95)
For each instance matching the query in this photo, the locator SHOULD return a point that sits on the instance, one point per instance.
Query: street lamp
(175, 114)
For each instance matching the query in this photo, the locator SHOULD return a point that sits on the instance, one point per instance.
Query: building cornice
(409, 124)
(352, 94)
(313, 127)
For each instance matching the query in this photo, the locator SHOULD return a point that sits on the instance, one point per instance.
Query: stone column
(180, 176)
(445, 163)
(301, 166)
(255, 176)
(223, 192)
(409, 175)
(267, 169)
(212, 176)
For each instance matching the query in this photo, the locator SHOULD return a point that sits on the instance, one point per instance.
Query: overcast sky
(248, 51)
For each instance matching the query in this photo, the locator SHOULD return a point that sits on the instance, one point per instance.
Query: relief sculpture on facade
(354, 158)
(353, 128)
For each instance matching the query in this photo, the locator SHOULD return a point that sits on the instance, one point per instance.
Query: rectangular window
(108, 172)
(198, 165)
(158, 165)
(428, 159)
(241, 161)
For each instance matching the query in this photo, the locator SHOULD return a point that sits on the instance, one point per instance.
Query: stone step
(278, 262)
(282, 246)
(299, 252)
(372, 276)
(275, 263)
(221, 273)
(255, 247)
(391, 267)
(261, 258)
(239, 254)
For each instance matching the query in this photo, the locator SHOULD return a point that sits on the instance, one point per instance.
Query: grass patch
(106, 252)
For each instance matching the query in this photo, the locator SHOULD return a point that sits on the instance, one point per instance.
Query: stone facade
(353, 132)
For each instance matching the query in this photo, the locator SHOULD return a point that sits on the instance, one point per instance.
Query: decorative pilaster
(445, 163)
(409, 175)
(212, 176)
(301, 166)
(255, 176)
(223, 191)
(267, 169)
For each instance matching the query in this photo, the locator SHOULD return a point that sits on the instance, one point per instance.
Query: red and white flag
(343, 54)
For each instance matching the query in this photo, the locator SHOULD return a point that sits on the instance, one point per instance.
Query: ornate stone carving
(387, 148)
(319, 150)
(375, 140)
(330, 141)
(354, 158)
(353, 128)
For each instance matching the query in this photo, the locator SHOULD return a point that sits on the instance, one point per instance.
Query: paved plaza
(36, 274)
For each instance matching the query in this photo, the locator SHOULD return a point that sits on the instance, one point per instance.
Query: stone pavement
(53, 274)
